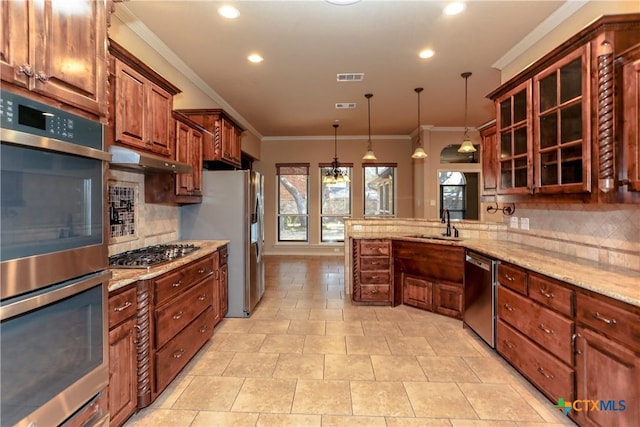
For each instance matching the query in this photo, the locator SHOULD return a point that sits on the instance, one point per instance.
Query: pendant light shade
(369, 155)
(419, 152)
(335, 174)
(467, 145)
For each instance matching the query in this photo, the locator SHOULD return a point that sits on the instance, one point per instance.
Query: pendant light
(369, 155)
(419, 151)
(335, 174)
(467, 145)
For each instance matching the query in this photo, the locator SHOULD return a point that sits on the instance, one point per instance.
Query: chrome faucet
(445, 212)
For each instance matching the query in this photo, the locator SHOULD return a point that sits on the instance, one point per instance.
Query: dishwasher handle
(480, 261)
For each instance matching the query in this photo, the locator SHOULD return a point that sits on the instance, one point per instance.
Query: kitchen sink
(436, 237)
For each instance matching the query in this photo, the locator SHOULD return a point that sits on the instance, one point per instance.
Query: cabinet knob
(26, 70)
(42, 77)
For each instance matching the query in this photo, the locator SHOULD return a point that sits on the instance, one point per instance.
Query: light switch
(514, 222)
(524, 223)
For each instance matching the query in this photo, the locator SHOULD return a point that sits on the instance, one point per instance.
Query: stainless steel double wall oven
(53, 262)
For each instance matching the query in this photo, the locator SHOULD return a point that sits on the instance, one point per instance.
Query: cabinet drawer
(176, 315)
(176, 282)
(369, 263)
(224, 255)
(512, 277)
(176, 354)
(374, 293)
(122, 306)
(374, 277)
(551, 293)
(611, 320)
(375, 247)
(547, 328)
(548, 374)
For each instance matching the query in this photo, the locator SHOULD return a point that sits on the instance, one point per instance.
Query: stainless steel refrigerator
(232, 209)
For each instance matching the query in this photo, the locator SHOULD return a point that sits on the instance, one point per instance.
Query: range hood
(126, 158)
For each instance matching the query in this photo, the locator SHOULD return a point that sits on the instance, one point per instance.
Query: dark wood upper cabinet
(629, 71)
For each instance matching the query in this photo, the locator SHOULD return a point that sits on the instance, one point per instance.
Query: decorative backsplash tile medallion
(123, 205)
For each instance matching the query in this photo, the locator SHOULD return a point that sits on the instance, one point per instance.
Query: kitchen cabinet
(123, 400)
(488, 158)
(607, 360)
(372, 271)
(188, 150)
(35, 42)
(222, 141)
(629, 69)
(429, 276)
(552, 140)
(142, 101)
(223, 277)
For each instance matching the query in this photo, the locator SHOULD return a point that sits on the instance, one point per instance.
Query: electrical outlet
(357, 227)
(514, 222)
(524, 223)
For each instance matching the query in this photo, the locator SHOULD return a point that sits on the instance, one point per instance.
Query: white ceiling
(306, 43)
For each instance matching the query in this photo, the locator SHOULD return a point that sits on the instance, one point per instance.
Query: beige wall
(316, 151)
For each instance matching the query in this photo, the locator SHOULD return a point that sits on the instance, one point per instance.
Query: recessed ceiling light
(254, 57)
(427, 53)
(229, 12)
(454, 8)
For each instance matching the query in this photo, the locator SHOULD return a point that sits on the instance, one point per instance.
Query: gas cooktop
(151, 256)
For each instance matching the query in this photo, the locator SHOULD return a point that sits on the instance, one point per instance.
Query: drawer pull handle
(374, 277)
(509, 344)
(123, 307)
(202, 297)
(178, 283)
(374, 291)
(545, 329)
(178, 354)
(203, 329)
(509, 278)
(178, 315)
(546, 294)
(509, 308)
(201, 270)
(544, 373)
(604, 319)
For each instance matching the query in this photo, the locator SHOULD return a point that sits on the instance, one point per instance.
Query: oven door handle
(19, 305)
(24, 139)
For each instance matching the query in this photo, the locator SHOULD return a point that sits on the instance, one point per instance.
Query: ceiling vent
(345, 105)
(350, 77)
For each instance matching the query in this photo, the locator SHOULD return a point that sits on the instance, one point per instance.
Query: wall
(321, 150)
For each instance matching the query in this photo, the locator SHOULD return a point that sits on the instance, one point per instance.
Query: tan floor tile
(300, 366)
(419, 328)
(293, 314)
(162, 418)
(251, 365)
(211, 363)
(483, 423)
(209, 394)
(264, 313)
(417, 422)
(396, 368)
(325, 314)
(265, 395)
(307, 327)
(289, 420)
(501, 405)
(322, 397)
(324, 345)
(543, 406)
(282, 343)
(359, 313)
(311, 303)
(491, 369)
(348, 367)
(338, 302)
(234, 325)
(445, 346)
(351, 421)
(447, 369)
(391, 314)
(225, 419)
(381, 328)
(341, 327)
(409, 346)
(242, 342)
(270, 327)
(367, 345)
(438, 400)
(380, 398)
(169, 396)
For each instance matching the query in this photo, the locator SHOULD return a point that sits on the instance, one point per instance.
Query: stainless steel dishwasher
(480, 296)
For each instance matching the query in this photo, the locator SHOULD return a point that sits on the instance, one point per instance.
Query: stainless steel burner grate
(151, 256)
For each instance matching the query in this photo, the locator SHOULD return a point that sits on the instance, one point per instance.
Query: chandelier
(335, 174)
(467, 145)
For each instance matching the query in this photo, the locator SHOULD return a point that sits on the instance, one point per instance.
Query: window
(293, 203)
(379, 189)
(335, 204)
(453, 191)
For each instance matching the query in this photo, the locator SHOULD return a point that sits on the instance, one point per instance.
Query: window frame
(322, 169)
(394, 168)
(290, 167)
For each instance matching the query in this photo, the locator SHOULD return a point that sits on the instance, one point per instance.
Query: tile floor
(307, 357)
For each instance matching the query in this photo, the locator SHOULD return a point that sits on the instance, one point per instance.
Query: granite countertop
(121, 277)
(619, 283)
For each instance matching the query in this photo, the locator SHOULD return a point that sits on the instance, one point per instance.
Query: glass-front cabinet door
(561, 122)
(514, 133)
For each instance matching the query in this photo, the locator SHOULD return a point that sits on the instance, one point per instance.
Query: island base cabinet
(609, 373)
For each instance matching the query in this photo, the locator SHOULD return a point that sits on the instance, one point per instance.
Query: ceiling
(305, 44)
